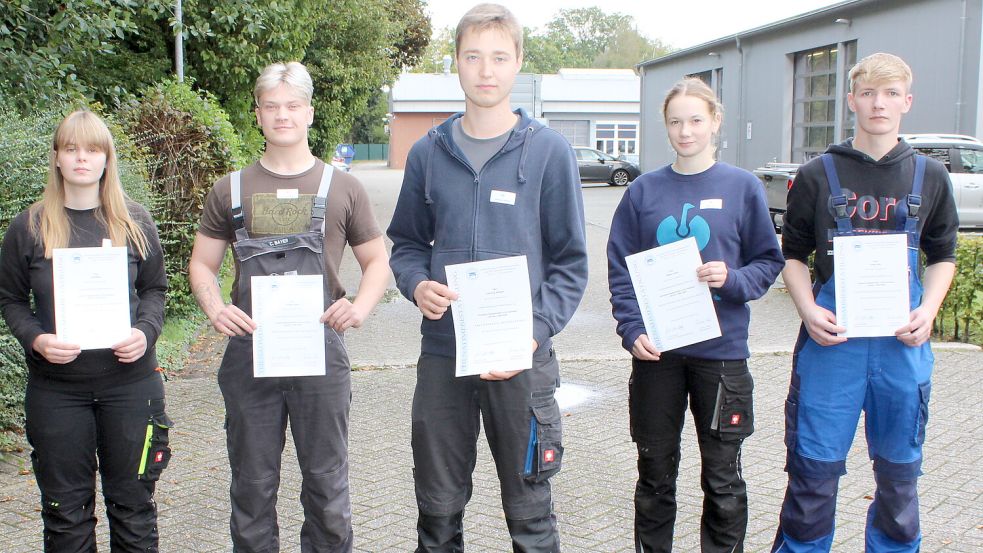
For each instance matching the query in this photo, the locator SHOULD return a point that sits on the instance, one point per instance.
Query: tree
(45, 43)
(628, 48)
(587, 37)
(432, 59)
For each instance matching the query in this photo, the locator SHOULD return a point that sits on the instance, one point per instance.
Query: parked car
(596, 166)
(961, 155)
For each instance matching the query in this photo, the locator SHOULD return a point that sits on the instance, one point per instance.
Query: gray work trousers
(257, 411)
(522, 424)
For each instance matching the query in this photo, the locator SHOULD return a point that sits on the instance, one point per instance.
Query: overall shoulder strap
(238, 219)
(321, 199)
(837, 196)
(913, 201)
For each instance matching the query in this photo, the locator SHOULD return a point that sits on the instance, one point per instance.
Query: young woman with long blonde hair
(95, 409)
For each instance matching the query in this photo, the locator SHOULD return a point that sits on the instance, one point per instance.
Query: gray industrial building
(784, 85)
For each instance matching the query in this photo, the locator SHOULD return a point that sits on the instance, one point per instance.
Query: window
(817, 85)
(971, 161)
(587, 155)
(938, 154)
(616, 138)
(576, 132)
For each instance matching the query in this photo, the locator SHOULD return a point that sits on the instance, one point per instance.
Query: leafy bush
(961, 314)
(190, 143)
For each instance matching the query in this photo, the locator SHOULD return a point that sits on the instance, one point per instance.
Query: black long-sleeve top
(26, 275)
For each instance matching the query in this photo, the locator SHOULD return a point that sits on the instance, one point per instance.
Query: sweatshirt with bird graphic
(724, 209)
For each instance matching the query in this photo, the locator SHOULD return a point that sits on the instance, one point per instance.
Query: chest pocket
(291, 254)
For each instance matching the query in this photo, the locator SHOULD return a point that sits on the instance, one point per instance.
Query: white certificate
(492, 315)
(92, 296)
(871, 278)
(676, 307)
(289, 336)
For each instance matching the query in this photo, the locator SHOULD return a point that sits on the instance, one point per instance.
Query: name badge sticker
(503, 197)
(287, 194)
(714, 203)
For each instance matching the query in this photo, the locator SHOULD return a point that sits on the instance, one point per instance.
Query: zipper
(477, 185)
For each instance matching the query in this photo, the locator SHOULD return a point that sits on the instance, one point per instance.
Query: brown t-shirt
(276, 204)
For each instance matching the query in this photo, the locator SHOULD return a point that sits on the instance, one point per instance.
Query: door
(591, 166)
(967, 184)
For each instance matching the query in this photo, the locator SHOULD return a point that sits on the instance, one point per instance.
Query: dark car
(596, 166)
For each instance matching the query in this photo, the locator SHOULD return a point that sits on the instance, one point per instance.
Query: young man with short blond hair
(312, 212)
(488, 183)
(871, 184)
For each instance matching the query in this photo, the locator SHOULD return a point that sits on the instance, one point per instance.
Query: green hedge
(191, 143)
(961, 315)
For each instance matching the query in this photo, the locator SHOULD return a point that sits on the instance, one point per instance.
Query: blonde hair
(692, 86)
(49, 222)
(880, 68)
(292, 74)
(489, 16)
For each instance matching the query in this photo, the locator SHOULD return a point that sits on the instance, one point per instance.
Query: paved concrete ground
(592, 492)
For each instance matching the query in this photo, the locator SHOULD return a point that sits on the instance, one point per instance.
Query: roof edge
(755, 31)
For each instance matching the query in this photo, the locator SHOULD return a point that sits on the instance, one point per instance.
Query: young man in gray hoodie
(485, 184)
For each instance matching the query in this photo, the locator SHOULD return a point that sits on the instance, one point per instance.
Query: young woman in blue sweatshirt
(724, 208)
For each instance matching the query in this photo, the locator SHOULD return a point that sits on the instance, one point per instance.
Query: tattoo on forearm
(208, 297)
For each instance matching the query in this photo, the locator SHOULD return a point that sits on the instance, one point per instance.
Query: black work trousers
(522, 424)
(69, 431)
(720, 397)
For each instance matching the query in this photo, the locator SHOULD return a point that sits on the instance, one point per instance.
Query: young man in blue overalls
(873, 183)
(311, 213)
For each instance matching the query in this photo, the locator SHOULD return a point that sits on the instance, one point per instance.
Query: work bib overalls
(257, 409)
(830, 385)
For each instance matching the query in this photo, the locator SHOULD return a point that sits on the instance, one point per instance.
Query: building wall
(757, 75)
(592, 118)
(405, 129)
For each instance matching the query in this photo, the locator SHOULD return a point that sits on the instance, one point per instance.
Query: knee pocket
(544, 452)
(924, 393)
(733, 413)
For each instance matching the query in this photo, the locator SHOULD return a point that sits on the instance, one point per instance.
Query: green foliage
(13, 379)
(349, 61)
(230, 41)
(53, 49)
(575, 38)
(370, 126)
(432, 59)
(627, 48)
(961, 315)
(190, 143)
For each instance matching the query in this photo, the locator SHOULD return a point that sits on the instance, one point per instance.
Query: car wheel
(620, 177)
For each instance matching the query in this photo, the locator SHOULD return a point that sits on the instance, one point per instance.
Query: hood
(900, 152)
(519, 137)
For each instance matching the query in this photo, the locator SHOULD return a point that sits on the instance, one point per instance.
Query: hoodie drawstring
(525, 152)
(426, 183)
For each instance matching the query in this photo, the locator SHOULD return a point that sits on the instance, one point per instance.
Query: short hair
(692, 86)
(292, 74)
(489, 16)
(880, 68)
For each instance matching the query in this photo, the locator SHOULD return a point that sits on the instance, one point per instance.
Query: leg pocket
(545, 451)
(924, 392)
(156, 449)
(733, 414)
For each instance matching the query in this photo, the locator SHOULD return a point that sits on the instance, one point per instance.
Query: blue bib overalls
(830, 385)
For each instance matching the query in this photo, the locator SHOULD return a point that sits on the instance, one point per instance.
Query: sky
(678, 23)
